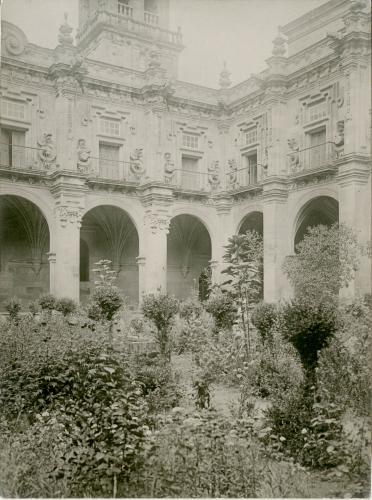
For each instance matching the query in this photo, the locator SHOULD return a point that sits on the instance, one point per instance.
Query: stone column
(355, 212)
(141, 263)
(226, 230)
(155, 253)
(65, 253)
(276, 241)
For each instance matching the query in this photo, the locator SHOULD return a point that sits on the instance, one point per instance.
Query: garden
(225, 397)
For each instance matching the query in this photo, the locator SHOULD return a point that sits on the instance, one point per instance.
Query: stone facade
(105, 154)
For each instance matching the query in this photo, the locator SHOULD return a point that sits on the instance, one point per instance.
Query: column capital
(67, 214)
(141, 261)
(157, 222)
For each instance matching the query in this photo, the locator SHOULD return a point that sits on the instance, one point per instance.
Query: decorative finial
(278, 46)
(225, 81)
(65, 30)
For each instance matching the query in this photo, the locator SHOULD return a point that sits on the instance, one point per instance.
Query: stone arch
(110, 233)
(189, 251)
(25, 243)
(318, 210)
(252, 221)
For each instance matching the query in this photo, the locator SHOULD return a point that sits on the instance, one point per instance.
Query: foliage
(264, 317)
(65, 306)
(47, 302)
(202, 455)
(159, 383)
(244, 256)
(105, 276)
(79, 383)
(326, 260)
(191, 333)
(34, 308)
(161, 309)
(308, 328)
(13, 306)
(222, 307)
(275, 370)
(190, 308)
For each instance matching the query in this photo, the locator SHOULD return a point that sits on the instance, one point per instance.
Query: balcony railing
(146, 29)
(241, 178)
(189, 180)
(312, 158)
(125, 10)
(22, 158)
(150, 18)
(112, 170)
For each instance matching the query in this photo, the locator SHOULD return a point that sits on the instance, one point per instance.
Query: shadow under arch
(108, 232)
(319, 210)
(189, 251)
(24, 247)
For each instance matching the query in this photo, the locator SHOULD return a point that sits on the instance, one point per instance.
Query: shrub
(221, 306)
(190, 308)
(263, 318)
(161, 309)
(34, 308)
(107, 300)
(47, 302)
(66, 306)
(14, 308)
(308, 328)
(191, 335)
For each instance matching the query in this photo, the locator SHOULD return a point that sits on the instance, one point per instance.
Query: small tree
(14, 308)
(244, 256)
(107, 299)
(160, 309)
(326, 260)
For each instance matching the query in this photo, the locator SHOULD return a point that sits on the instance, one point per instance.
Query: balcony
(125, 10)
(23, 159)
(242, 179)
(148, 29)
(151, 18)
(111, 170)
(189, 180)
(312, 159)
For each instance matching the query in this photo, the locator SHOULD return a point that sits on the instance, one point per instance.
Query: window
(12, 148)
(251, 136)
(190, 173)
(109, 161)
(190, 141)
(110, 127)
(318, 111)
(317, 148)
(252, 169)
(13, 109)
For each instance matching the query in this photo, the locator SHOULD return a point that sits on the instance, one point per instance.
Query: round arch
(317, 210)
(109, 232)
(208, 221)
(135, 215)
(24, 243)
(189, 251)
(251, 221)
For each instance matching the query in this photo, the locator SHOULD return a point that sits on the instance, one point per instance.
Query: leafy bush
(47, 302)
(190, 308)
(78, 382)
(308, 328)
(263, 318)
(66, 306)
(161, 309)
(221, 306)
(192, 334)
(13, 306)
(107, 300)
(34, 308)
(202, 455)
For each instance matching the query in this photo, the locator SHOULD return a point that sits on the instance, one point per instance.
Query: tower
(124, 32)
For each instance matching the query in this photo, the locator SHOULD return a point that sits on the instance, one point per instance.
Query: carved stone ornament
(68, 215)
(64, 35)
(157, 222)
(47, 151)
(293, 155)
(83, 155)
(169, 168)
(13, 39)
(232, 175)
(214, 175)
(136, 163)
(339, 136)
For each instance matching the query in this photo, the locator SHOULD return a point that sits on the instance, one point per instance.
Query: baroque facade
(106, 154)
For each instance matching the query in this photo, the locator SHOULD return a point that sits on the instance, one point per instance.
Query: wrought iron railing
(22, 158)
(242, 178)
(188, 180)
(312, 157)
(114, 170)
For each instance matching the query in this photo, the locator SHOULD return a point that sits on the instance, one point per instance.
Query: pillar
(65, 253)
(276, 241)
(355, 212)
(153, 272)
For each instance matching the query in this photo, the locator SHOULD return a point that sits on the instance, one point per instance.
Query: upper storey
(123, 32)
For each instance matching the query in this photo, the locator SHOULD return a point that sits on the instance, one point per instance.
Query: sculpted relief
(47, 151)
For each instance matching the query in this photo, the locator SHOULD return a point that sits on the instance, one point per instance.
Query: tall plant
(244, 258)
